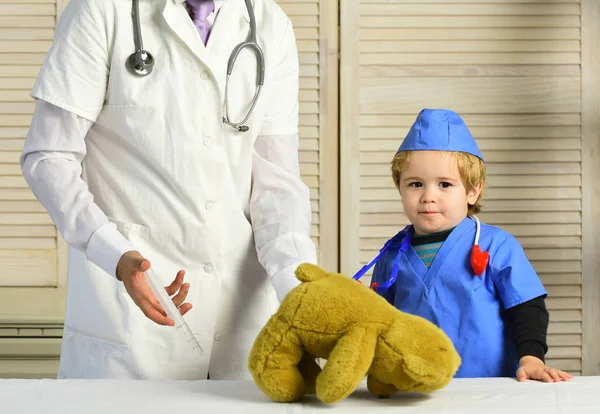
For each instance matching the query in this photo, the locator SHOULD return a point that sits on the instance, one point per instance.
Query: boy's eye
(445, 184)
(415, 184)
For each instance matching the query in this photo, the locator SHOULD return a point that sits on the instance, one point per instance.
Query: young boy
(489, 302)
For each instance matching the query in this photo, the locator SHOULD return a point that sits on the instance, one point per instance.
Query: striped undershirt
(428, 245)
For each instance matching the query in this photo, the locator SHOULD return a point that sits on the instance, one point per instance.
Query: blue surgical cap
(440, 130)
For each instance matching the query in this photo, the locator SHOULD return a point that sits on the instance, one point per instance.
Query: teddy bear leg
(310, 370)
(279, 376)
(378, 388)
(347, 365)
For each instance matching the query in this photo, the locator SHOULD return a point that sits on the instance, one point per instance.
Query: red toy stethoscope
(479, 259)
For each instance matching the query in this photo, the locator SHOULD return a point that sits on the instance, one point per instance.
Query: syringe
(181, 327)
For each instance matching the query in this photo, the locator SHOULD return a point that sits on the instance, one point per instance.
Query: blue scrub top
(466, 306)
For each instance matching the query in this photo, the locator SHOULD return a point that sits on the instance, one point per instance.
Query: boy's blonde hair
(470, 167)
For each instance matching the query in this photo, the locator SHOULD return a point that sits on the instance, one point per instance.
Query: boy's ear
(474, 193)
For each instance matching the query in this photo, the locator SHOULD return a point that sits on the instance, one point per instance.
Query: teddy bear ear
(308, 272)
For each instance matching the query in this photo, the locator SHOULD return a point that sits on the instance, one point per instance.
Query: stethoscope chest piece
(140, 63)
(479, 260)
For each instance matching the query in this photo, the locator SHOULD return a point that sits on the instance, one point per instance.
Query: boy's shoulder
(494, 236)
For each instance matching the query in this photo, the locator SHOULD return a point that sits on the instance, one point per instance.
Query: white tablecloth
(466, 396)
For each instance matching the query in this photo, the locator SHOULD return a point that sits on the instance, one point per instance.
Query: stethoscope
(141, 62)
(479, 259)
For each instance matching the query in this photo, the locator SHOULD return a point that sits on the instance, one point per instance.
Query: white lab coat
(173, 178)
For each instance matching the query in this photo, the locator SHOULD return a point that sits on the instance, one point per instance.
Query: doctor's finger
(155, 315)
(177, 283)
(185, 308)
(181, 295)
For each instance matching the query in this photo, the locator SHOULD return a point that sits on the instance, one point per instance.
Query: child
(478, 286)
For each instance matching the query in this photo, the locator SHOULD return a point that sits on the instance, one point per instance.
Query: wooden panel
(29, 368)
(32, 306)
(28, 254)
(32, 267)
(590, 121)
(30, 347)
(315, 27)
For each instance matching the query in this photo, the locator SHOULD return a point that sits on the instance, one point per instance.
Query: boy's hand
(130, 270)
(534, 368)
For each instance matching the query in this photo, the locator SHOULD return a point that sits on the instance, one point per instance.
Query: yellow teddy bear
(333, 317)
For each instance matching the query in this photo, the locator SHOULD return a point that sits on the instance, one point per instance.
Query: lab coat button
(218, 336)
(208, 268)
(209, 206)
(207, 142)
(204, 75)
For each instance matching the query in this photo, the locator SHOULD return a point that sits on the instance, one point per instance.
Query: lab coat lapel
(178, 19)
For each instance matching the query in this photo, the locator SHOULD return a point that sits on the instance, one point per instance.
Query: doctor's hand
(130, 270)
(534, 368)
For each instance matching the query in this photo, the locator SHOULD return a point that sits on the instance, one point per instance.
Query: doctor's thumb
(143, 265)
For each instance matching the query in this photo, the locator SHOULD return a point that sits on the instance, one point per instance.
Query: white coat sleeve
(280, 201)
(51, 165)
(75, 73)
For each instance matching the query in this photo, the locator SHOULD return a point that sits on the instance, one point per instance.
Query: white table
(466, 396)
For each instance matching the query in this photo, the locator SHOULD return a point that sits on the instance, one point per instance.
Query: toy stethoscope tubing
(141, 62)
(479, 259)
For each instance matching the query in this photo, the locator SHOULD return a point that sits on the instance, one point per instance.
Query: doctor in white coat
(141, 171)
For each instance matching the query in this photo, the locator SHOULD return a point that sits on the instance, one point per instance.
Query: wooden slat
(539, 193)
(13, 206)
(34, 22)
(564, 340)
(381, 218)
(492, 9)
(512, 124)
(489, 22)
(30, 347)
(483, 134)
(27, 243)
(24, 46)
(27, 10)
(27, 231)
(501, 181)
(468, 46)
(305, 21)
(300, 9)
(20, 219)
(561, 279)
(28, 267)
(525, 95)
(496, 169)
(29, 368)
(568, 365)
(16, 107)
(393, 206)
(461, 33)
(26, 34)
(469, 58)
(438, 71)
(443, 3)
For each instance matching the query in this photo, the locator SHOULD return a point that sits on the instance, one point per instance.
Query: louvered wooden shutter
(513, 70)
(315, 27)
(30, 253)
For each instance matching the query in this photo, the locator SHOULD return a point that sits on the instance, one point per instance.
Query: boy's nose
(427, 196)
